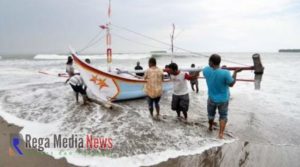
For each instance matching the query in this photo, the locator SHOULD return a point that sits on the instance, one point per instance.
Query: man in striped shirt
(78, 86)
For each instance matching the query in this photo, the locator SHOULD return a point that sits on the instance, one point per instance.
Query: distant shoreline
(289, 50)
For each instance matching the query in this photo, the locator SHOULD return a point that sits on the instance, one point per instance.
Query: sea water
(46, 107)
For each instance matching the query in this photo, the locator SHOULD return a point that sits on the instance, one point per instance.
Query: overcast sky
(49, 26)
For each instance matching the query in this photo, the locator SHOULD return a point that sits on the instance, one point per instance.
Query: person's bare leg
(85, 99)
(157, 111)
(178, 114)
(222, 129)
(185, 115)
(210, 123)
(86, 96)
(151, 111)
(76, 96)
(192, 85)
(150, 103)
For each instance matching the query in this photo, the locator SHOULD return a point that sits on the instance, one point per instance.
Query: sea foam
(92, 57)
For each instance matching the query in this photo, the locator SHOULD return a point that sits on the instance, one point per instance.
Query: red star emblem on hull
(101, 83)
(98, 81)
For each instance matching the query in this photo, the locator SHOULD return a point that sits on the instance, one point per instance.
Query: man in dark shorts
(153, 88)
(180, 97)
(78, 86)
(218, 82)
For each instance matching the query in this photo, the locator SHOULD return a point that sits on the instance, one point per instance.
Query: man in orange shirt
(154, 86)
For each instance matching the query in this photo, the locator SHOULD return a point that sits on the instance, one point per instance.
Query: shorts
(78, 89)
(195, 81)
(213, 106)
(152, 101)
(180, 102)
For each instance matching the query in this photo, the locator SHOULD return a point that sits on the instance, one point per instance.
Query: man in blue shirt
(218, 82)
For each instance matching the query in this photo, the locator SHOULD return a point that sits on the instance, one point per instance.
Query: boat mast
(172, 42)
(108, 40)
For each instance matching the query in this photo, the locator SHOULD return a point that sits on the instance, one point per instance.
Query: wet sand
(240, 154)
(32, 158)
(263, 139)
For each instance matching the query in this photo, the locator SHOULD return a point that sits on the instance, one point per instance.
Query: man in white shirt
(180, 98)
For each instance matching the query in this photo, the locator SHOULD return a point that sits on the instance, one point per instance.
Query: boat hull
(112, 86)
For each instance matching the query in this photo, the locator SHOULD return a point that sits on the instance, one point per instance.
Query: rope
(177, 35)
(145, 36)
(165, 43)
(93, 41)
(141, 43)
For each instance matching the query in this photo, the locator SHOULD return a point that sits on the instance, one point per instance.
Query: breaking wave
(93, 57)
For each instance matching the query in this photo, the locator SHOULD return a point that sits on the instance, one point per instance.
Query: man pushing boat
(218, 82)
(78, 86)
(154, 86)
(180, 97)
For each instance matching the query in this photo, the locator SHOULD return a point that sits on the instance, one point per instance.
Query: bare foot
(184, 120)
(221, 136)
(157, 116)
(151, 113)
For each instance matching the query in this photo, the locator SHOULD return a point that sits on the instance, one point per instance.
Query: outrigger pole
(257, 67)
(108, 38)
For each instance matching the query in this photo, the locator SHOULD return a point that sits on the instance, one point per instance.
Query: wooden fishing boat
(112, 86)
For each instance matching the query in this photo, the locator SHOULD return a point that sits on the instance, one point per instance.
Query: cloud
(204, 25)
(244, 26)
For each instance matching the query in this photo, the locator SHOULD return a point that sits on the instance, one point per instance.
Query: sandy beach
(33, 158)
(240, 154)
(247, 150)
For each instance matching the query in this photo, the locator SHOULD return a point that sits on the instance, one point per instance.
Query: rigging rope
(141, 43)
(93, 41)
(165, 43)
